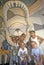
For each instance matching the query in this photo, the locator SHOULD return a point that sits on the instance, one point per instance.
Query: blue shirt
(5, 44)
(37, 52)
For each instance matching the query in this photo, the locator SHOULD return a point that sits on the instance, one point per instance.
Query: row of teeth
(16, 4)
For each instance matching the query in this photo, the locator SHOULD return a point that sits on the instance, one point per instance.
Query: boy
(5, 46)
(15, 51)
(22, 37)
(36, 38)
(23, 54)
(37, 53)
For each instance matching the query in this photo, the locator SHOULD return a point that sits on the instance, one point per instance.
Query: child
(15, 50)
(37, 53)
(36, 38)
(23, 54)
(6, 56)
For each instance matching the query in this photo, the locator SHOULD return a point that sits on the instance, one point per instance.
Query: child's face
(34, 45)
(14, 40)
(22, 37)
(22, 45)
(32, 34)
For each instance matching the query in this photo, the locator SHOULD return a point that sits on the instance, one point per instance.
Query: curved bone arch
(11, 4)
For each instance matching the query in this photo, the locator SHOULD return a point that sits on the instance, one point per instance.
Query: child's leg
(16, 59)
(11, 59)
(32, 62)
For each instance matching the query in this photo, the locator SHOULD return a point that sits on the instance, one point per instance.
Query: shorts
(15, 58)
(23, 63)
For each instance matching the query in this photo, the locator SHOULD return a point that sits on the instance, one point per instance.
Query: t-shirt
(37, 52)
(22, 53)
(5, 44)
(15, 49)
(36, 40)
(17, 46)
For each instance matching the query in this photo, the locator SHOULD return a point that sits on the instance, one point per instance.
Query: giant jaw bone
(17, 24)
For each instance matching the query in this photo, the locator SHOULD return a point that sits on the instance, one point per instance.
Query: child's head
(22, 37)
(22, 45)
(34, 44)
(32, 33)
(14, 39)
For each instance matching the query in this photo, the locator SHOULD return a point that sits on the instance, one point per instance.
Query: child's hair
(31, 31)
(22, 43)
(23, 34)
(33, 42)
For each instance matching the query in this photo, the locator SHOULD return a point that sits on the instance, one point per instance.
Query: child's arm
(32, 54)
(40, 38)
(33, 57)
(40, 62)
(41, 56)
(19, 60)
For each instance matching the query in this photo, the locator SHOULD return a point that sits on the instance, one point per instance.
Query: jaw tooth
(12, 5)
(22, 6)
(8, 6)
(16, 4)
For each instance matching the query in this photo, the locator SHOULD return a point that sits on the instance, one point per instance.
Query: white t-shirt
(22, 53)
(36, 40)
